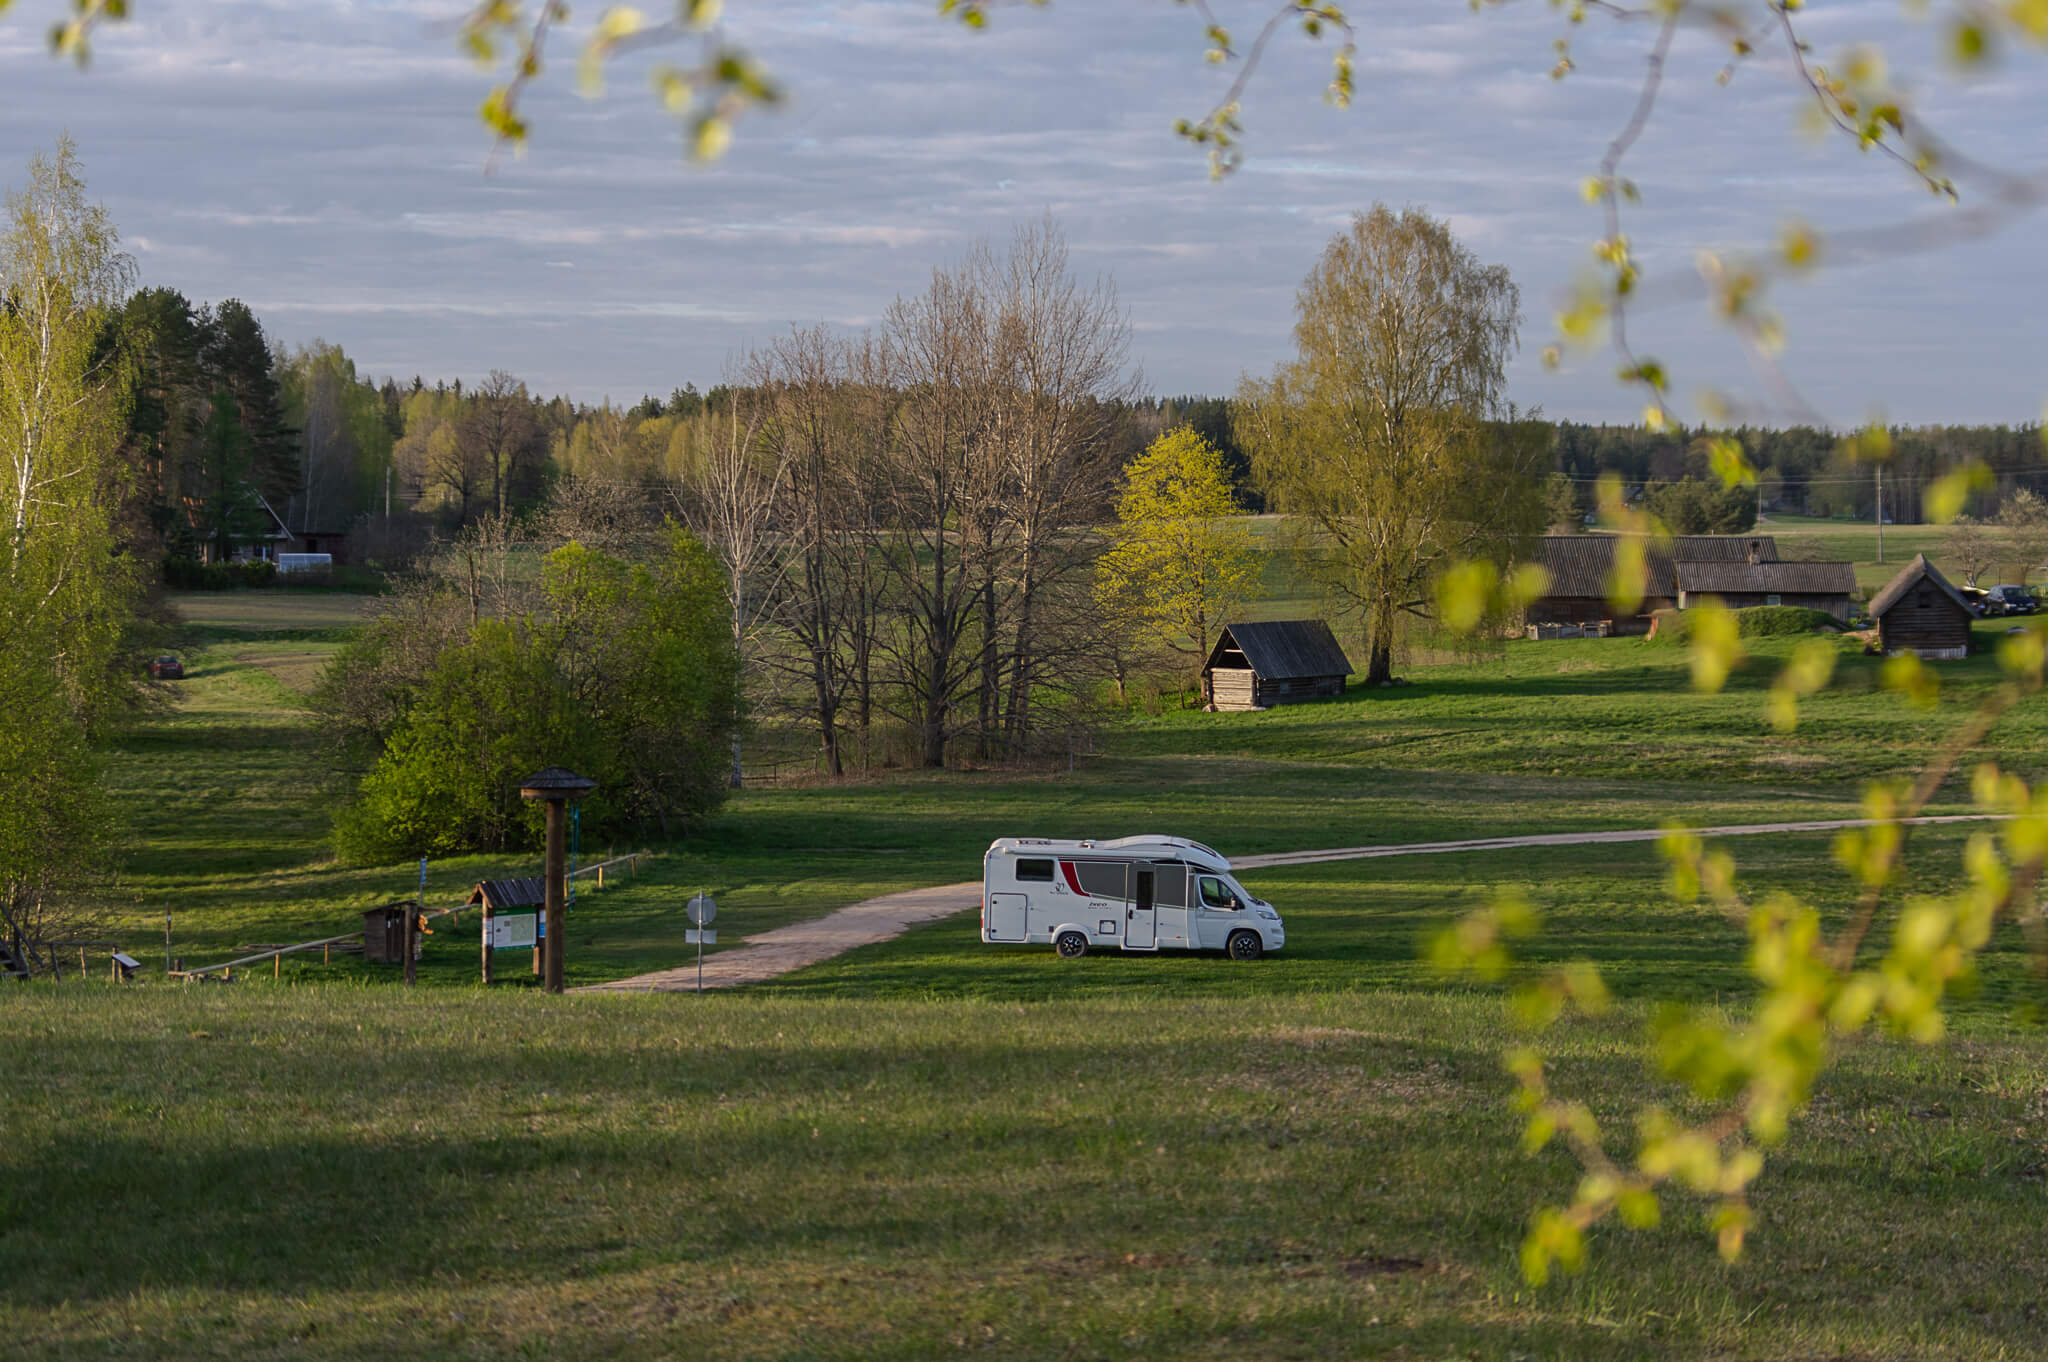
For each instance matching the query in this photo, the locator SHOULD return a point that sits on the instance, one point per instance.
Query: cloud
(320, 158)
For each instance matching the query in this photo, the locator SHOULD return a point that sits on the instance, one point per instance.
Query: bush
(189, 574)
(1758, 621)
(1778, 621)
(626, 674)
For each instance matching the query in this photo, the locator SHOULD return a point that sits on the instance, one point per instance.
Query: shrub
(1758, 621)
(625, 674)
(189, 574)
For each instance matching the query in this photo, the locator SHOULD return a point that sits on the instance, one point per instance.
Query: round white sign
(702, 911)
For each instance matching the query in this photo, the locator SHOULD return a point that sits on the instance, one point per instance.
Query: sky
(321, 160)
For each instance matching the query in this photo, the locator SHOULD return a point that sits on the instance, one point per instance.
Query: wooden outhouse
(384, 934)
(1920, 612)
(1279, 662)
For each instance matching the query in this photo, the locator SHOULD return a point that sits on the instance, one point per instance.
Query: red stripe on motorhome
(1073, 880)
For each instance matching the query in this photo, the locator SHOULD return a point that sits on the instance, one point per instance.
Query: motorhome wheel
(1072, 945)
(1246, 946)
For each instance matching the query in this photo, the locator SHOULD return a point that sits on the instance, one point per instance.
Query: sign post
(702, 912)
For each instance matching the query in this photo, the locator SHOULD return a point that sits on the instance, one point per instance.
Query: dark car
(1980, 602)
(2017, 600)
(167, 668)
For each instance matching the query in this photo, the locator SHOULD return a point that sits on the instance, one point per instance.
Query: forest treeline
(225, 419)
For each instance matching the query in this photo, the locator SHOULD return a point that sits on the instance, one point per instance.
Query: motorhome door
(1007, 915)
(1141, 918)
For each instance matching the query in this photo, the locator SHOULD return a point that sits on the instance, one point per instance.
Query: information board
(514, 932)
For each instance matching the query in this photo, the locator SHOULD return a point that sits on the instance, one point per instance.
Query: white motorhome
(1133, 893)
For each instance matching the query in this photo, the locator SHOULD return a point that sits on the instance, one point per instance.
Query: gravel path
(806, 943)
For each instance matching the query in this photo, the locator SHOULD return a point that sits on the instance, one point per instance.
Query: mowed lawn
(333, 1172)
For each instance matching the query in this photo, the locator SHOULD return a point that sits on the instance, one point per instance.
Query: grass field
(931, 1148)
(341, 1173)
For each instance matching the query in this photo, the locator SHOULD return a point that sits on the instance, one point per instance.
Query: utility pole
(1880, 513)
(387, 494)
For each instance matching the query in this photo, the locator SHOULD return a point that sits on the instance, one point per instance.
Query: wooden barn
(1280, 662)
(1817, 586)
(1920, 612)
(1742, 569)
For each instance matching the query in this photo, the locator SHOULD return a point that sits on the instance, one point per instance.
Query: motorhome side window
(1034, 871)
(1214, 895)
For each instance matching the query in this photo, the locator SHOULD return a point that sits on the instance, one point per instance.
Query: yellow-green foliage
(1179, 563)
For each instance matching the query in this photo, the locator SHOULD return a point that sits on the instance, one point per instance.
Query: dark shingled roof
(1283, 649)
(1579, 563)
(1908, 576)
(1806, 579)
(531, 892)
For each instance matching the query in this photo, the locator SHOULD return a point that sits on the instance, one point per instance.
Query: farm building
(1280, 662)
(1817, 586)
(1743, 569)
(1920, 612)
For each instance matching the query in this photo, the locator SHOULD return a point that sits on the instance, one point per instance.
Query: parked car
(167, 668)
(2017, 600)
(1980, 602)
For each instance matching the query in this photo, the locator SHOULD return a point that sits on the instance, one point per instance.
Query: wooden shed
(1280, 662)
(1920, 612)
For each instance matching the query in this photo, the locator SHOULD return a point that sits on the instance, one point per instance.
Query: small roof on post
(556, 783)
(527, 892)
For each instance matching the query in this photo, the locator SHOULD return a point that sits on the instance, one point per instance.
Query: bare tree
(729, 502)
(817, 418)
(500, 432)
(1065, 351)
(606, 514)
(937, 489)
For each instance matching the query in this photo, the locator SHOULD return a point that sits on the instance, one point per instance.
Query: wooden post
(412, 937)
(277, 965)
(557, 879)
(327, 952)
(487, 943)
(81, 962)
(600, 877)
(555, 787)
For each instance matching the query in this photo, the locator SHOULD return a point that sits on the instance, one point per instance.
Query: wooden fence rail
(325, 945)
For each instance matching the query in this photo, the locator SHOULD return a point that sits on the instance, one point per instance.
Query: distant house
(1817, 586)
(1742, 569)
(1918, 611)
(258, 537)
(1280, 662)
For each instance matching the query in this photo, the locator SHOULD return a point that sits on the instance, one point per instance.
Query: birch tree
(1376, 437)
(1179, 562)
(66, 593)
(729, 502)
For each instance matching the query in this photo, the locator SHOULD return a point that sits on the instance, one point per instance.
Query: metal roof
(1908, 576)
(1284, 648)
(531, 892)
(1579, 564)
(1808, 579)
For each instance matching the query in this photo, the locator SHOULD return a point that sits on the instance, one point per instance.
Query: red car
(167, 668)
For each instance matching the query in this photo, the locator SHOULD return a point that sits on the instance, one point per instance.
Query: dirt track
(806, 943)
